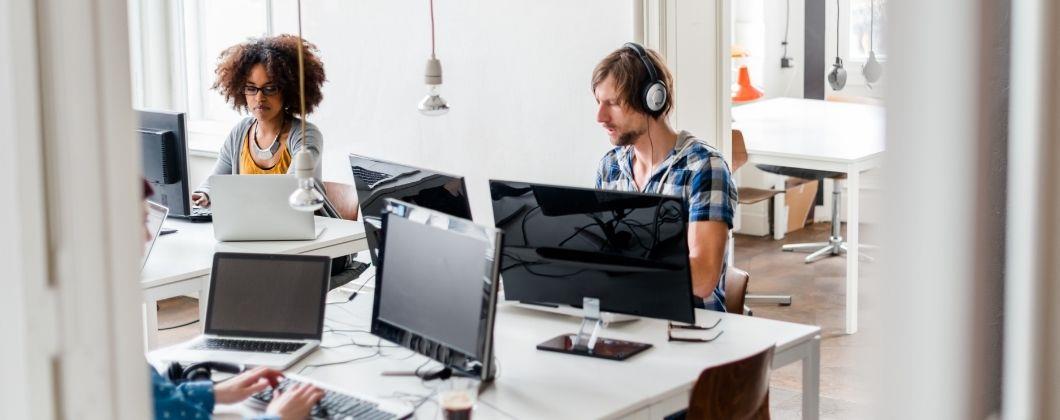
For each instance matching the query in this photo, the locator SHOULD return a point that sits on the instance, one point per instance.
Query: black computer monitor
(377, 180)
(627, 252)
(436, 292)
(163, 141)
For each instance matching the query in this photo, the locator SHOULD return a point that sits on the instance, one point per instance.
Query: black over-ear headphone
(652, 95)
(201, 371)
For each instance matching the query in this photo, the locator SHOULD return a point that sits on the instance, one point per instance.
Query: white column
(74, 205)
(1032, 285)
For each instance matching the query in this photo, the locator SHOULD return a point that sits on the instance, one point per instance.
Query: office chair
(736, 290)
(340, 202)
(736, 390)
(343, 197)
(749, 195)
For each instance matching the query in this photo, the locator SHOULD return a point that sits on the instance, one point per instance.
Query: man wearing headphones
(634, 88)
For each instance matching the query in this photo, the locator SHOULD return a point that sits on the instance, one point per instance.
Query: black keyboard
(334, 405)
(248, 345)
(198, 214)
(368, 177)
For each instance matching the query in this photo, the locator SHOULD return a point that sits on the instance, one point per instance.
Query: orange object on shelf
(746, 92)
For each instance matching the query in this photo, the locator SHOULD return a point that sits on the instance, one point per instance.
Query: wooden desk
(821, 135)
(180, 262)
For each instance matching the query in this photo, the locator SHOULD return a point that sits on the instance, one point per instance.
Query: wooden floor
(818, 295)
(817, 292)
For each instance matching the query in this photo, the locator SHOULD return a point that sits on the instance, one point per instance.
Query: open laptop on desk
(420, 186)
(262, 310)
(254, 208)
(156, 215)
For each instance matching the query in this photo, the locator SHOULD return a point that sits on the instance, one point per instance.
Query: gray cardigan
(228, 158)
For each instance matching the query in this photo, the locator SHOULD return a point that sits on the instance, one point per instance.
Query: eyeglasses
(251, 90)
(671, 327)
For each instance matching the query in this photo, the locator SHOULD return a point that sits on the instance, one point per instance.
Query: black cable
(178, 326)
(342, 362)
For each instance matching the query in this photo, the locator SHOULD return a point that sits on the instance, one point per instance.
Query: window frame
(179, 63)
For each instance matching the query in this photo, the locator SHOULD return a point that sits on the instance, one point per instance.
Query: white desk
(180, 262)
(822, 135)
(540, 384)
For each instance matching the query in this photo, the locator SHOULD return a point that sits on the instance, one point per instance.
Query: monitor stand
(587, 342)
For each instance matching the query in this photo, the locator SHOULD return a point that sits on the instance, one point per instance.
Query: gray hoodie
(228, 159)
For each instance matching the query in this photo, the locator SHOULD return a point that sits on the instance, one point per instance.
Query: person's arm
(223, 166)
(711, 207)
(185, 401)
(706, 250)
(314, 143)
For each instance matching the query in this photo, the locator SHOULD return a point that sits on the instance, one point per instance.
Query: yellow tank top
(247, 166)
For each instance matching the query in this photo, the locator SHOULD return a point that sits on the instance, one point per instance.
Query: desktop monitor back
(436, 293)
(163, 142)
(564, 244)
(377, 180)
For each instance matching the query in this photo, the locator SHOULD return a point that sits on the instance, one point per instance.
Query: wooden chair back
(739, 150)
(343, 197)
(734, 391)
(735, 290)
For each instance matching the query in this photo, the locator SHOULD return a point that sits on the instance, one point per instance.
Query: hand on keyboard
(295, 402)
(246, 384)
(332, 404)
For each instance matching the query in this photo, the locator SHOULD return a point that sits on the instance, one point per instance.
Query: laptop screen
(156, 215)
(260, 295)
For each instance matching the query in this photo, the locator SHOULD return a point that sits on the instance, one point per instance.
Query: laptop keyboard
(248, 346)
(334, 405)
(367, 176)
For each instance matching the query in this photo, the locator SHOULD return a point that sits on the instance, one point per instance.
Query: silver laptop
(262, 310)
(156, 215)
(254, 208)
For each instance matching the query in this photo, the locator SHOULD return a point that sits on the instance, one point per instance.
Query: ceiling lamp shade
(745, 92)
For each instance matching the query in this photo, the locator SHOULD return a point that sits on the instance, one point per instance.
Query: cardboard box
(798, 196)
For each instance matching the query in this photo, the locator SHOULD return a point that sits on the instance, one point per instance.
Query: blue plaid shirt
(699, 174)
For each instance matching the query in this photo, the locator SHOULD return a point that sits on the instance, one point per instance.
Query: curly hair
(279, 55)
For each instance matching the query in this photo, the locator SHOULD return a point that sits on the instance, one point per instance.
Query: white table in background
(821, 135)
(539, 384)
(180, 262)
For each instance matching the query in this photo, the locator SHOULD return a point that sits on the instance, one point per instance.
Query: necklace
(268, 153)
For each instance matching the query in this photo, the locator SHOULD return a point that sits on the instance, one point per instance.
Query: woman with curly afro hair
(260, 77)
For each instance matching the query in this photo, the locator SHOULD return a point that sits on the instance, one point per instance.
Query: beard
(627, 138)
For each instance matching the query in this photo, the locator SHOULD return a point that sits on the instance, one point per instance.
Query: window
(174, 51)
(868, 18)
(209, 28)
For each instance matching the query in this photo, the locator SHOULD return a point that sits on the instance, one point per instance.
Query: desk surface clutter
(530, 383)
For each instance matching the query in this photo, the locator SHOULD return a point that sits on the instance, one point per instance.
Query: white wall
(517, 77)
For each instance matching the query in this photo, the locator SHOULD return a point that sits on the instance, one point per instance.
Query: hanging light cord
(872, 23)
(432, 27)
(301, 75)
(836, 28)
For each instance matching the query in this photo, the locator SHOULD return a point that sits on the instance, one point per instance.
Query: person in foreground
(260, 77)
(196, 400)
(634, 91)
